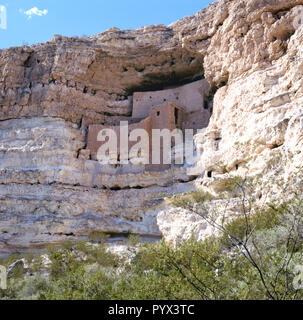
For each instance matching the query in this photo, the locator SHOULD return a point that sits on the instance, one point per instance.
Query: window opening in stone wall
(176, 116)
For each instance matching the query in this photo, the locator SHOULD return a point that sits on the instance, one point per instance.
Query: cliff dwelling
(241, 59)
(182, 107)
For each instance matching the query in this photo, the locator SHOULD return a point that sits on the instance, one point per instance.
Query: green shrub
(98, 237)
(229, 187)
(189, 199)
(209, 269)
(266, 218)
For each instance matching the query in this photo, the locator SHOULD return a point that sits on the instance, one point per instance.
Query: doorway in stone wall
(176, 116)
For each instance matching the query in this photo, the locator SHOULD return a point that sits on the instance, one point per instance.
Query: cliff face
(249, 52)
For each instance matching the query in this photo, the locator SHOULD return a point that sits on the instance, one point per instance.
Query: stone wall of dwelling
(93, 130)
(196, 120)
(190, 97)
(164, 117)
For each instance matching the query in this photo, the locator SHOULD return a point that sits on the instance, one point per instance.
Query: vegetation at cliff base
(213, 269)
(255, 255)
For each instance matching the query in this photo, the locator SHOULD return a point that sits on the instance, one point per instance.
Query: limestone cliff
(249, 52)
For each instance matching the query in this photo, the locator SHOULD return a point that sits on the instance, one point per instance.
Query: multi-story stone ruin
(181, 107)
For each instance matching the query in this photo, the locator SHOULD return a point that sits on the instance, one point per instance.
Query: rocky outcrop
(258, 113)
(34, 215)
(249, 52)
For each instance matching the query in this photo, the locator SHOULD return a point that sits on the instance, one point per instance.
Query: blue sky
(26, 25)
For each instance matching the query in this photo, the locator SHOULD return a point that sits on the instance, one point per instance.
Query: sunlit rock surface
(249, 52)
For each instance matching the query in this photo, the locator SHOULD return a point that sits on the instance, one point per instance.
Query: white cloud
(35, 12)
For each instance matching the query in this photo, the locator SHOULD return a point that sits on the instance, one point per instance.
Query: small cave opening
(206, 105)
(70, 234)
(115, 188)
(275, 146)
(28, 63)
(209, 174)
